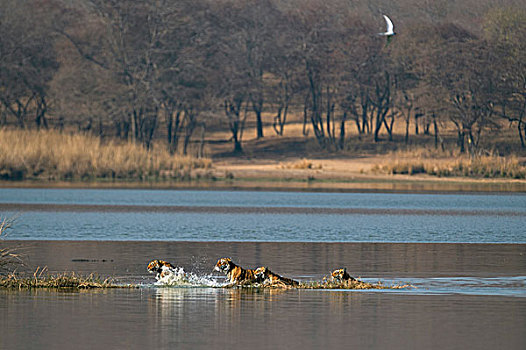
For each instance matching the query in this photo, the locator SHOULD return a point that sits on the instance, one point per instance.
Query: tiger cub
(268, 277)
(234, 273)
(161, 268)
(341, 275)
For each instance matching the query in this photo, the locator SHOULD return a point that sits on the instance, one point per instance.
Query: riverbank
(270, 175)
(348, 175)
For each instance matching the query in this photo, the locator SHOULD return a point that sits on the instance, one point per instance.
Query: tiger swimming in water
(341, 275)
(267, 277)
(161, 268)
(235, 274)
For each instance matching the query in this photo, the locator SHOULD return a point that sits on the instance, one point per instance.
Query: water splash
(177, 277)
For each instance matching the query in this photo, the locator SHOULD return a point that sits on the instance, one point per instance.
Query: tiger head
(261, 273)
(340, 274)
(155, 266)
(224, 265)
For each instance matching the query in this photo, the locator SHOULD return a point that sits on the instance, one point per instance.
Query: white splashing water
(178, 277)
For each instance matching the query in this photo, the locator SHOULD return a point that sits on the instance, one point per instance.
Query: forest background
(122, 89)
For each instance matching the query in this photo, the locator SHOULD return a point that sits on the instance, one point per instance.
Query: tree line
(137, 69)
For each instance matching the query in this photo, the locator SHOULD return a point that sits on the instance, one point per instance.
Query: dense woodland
(176, 70)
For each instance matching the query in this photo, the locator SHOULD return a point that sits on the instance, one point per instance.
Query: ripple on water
(514, 286)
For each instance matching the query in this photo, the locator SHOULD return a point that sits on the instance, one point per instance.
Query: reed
(9, 258)
(53, 155)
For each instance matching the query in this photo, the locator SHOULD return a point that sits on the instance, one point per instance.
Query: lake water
(466, 292)
(263, 216)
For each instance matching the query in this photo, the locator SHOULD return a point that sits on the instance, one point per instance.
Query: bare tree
(28, 60)
(460, 63)
(323, 57)
(506, 30)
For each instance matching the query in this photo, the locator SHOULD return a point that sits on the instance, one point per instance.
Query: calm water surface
(500, 202)
(203, 319)
(263, 216)
(465, 294)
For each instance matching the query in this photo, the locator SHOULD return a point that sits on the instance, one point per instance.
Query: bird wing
(390, 26)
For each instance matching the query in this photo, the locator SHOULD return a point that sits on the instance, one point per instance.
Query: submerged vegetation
(69, 281)
(358, 285)
(54, 155)
(40, 279)
(349, 284)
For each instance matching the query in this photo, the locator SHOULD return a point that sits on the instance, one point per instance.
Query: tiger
(267, 277)
(161, 268)
(341, 275)
(235, 274)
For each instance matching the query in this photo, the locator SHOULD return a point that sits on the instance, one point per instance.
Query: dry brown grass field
(52, 155)
(292, 160)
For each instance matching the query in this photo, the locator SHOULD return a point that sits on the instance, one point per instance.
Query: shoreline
(300, 183)
(15, 242)
(319, 175)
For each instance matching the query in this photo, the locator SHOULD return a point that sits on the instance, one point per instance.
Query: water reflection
(335, 319)
(176, 303)
(203, 314)
(294, 319)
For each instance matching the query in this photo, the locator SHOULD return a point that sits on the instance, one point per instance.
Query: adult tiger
(341, 275)
(268, 277)
(161, 268)
(235, 274)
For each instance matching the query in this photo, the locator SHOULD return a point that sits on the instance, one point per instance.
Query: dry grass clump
(301, 164)
(419, 152)
(60, 281)
(482, 167)
(488, 166)
(52, 155)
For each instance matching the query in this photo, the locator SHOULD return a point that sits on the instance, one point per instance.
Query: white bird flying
(389, 33)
